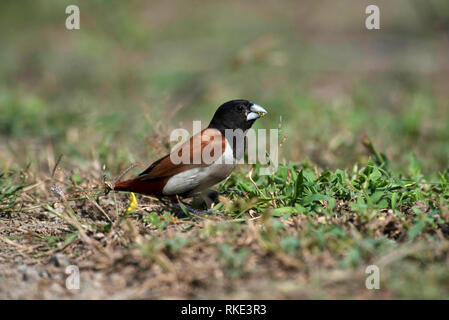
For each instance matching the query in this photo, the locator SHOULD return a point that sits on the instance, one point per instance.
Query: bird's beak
(256, 112)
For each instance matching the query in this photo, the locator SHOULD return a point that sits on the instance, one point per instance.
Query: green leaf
(290, 244)
(299, 185)
(284, 210)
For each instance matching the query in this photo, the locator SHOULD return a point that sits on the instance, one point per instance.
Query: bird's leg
(209, 198)
(167, 203)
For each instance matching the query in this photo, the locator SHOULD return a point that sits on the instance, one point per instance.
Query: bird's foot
(189, 209)
(236, 191)
(210, 212)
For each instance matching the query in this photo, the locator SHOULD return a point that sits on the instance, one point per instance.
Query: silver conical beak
(256, 112)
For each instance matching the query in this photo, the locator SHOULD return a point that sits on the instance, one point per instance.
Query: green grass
(302, 220)
(10, 188)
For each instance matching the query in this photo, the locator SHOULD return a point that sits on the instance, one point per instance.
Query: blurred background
(137, 69)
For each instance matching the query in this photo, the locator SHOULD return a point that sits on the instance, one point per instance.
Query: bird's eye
(239, 108)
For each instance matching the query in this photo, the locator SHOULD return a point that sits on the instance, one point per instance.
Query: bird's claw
(199, 212)
(240, 193)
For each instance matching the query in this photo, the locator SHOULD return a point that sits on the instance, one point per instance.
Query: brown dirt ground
(132, 261)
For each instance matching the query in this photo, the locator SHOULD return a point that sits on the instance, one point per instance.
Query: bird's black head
(236, 114)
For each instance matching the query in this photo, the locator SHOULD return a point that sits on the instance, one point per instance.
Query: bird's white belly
(200, 178)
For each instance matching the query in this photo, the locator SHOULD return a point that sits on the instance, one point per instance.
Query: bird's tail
(148, 187)
(124, 186)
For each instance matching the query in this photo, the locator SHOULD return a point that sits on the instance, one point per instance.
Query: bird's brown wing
(196, 147)
(204, 148)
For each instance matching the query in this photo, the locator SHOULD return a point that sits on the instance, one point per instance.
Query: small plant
(232, 259)
(10, 189)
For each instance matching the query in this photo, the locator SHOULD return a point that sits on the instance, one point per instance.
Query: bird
(206, 159)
